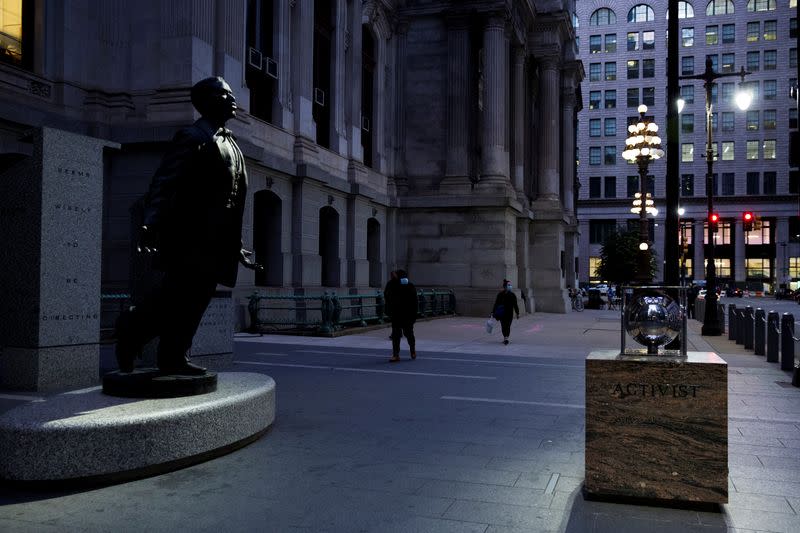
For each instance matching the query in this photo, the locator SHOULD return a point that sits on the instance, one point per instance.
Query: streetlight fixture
(643, 145)
(743, 99)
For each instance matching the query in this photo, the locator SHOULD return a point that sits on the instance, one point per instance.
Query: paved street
(473, 436)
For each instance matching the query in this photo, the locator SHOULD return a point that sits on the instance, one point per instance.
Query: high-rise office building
(623, 46)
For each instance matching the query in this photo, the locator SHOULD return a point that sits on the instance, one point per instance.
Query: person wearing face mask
(402, 307)
(505, 306)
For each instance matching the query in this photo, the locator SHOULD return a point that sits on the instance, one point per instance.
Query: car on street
(602, 287)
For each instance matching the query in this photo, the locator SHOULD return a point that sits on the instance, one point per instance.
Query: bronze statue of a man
(192, 225)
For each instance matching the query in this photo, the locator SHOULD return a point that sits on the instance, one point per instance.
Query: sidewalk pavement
(363, 445)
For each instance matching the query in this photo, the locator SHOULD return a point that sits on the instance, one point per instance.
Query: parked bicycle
(577, 299)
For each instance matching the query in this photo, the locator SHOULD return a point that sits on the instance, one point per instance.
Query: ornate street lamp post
(743, 98)
(642, 146)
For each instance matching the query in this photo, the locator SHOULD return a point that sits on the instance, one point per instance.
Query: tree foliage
(619, 257)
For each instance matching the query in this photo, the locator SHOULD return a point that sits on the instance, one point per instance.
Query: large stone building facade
(623, 46)
(436, 136)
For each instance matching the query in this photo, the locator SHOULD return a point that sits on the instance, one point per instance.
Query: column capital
(497, 20)
(457, 21)
(549, 61)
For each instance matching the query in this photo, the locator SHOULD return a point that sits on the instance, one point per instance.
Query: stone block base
(657, 427)
(87, 436)
(48, 369)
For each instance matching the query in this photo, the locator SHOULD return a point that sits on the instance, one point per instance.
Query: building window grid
(754, 6)
(720, 7)
(728, 150)
(752, 120)
(610, 42)
(687, 93)
(687, 65)
(687, 122)
(610, 127)
(753, 31)
(712, 35)
(752, 150)
(611, 71)
(687, 185)
(633, 41)
(769, 119)
(770, 30)
(649, 95)
(610, 155)
(687, 37)
(753, 61)
(610, 186)
(753, 183)
(594, 127)
(728, 121)
(648, 68)
(728, 62)
(594, 71)
(611, 99)
(632, 97)
(770, 182)
(770, 89)
(770, 59)
(728, 180)
(728, 33)
(769, 148)
(633, 69)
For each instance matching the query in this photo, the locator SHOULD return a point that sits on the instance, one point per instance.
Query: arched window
(720, 7)
(641, 13)
(685, 11)
(267, 219)
(760, 5)
(374, 252)
(603, 17)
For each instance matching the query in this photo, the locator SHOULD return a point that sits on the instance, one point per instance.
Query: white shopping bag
(490, 324)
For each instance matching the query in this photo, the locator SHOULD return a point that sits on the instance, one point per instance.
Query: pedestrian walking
(691, 296)
(401, 304)
(505, 306)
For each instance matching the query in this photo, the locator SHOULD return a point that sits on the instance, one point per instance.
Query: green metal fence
(329, 312)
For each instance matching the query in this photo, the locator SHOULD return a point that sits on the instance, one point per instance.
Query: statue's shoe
(125, 357)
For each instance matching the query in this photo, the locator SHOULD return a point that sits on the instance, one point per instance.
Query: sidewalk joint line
(368, 370)
(519, 402)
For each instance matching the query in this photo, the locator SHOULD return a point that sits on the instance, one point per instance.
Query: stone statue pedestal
(657, 427)
(151, 383)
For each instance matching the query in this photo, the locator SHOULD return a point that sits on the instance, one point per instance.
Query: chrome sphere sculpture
(653, 319)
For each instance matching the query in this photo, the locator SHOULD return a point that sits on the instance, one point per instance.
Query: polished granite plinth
(657, 427)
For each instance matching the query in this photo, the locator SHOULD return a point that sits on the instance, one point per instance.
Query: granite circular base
(151, 383)
(88, 436)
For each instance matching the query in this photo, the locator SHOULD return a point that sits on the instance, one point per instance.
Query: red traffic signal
(713, 220)
(748, 218)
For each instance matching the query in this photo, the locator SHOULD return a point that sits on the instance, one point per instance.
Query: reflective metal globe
(653, 319)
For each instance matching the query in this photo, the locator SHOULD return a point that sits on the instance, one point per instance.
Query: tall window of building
(602, 17)
(611, 71)
(720, 7)
(727, 92)
(728, 33)
(594, 127)
(714, 184)
(687, 152)
(752, 150)
(752, 183)
(770, 119)
(600, 230)
(727, 183)
(687, 37)
(260, 70)
(687, 65)
(687, 122)
(753, 61)
(648, 68)
(610, 187)
(752, 120)
(687, 93)
(687, 184)
(648, 40)
(633, 69)
(769, 149)
(611, 99)
(753, 87)
(611, 42)
(728, 62)
(760, 5)
(714, 93)
(594, 99)
(761, 236)
(685, 10)
(793, 118)
(770, 59)
(770, 182)
(770, 89)
(727, 150)
(641, 13)
(753, 31)
(594, 267)
(594, 186)
(595, 155)
(610, 155)
(649, 95)
(16, 32)
(792, 58)
(712, 34)
(594, 71)
(632, 97)
(595, 44)
(793, 28)
(633, 41)
(714, 121)
(323, 52)
(633, 186)
(770, 30)
(714, 61)
(756, 267)
(728, 121)
(610, 127)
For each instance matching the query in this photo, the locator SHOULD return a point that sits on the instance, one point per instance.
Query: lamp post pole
(643, 272)
(711, 326)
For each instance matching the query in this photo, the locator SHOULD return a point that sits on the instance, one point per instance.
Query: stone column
(698, 269)
(523, 262)
(549, 183)
(339, 88)
(518, 90)
(547, 244)
(571, 252)
(282, 46)
(738, 266)
(458, 81)
(568, 149)
(494, 151)
(353, 55)
(302, 53)
(781, 266)
(382, 71)
(400, 177)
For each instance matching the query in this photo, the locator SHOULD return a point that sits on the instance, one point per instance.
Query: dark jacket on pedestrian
(401, 301)
(509, 302)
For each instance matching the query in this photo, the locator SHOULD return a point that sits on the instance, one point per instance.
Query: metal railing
(328, 312)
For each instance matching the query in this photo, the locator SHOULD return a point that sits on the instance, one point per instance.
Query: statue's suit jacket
(196, 202)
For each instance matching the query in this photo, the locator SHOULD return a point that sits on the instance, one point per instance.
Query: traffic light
(713, 222)
(748, 218)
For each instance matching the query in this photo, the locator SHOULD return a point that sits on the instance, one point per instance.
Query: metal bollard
(748, 327)
(787, 341)
(772, 337)
(760, 332)
(732, 322)
(740, 326)
(721, 317)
